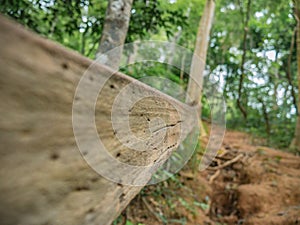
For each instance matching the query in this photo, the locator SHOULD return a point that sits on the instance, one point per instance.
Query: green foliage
(148, 17)
(128, 222)
(166, 79)
(202, 205)
(78, 24)
(140, 70)
(187, 206)
(268, 94)
(75, 24)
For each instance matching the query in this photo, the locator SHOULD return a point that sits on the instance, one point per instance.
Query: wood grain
(43, 177)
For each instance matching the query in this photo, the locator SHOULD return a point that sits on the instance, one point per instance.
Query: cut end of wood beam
(45, 179)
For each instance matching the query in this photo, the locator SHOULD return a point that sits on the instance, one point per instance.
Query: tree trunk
(296, 141)
(246, 18)
(266, 118)
(114, 32)
(288, 70)
(194, 92)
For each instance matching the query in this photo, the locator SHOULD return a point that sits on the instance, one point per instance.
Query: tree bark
(242, 75)
(288, 70)
(194, 91)
(114, 32)
(296, 141)
(266, 117)
(44, 178)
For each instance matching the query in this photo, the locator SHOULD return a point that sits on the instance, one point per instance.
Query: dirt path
(246, 184)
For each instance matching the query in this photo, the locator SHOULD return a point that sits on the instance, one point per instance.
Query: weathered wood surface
(43, 177)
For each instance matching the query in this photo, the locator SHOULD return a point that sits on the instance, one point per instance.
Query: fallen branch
(228, 163)
(214, 176)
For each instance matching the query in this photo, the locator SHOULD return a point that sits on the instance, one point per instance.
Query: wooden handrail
(44, 178)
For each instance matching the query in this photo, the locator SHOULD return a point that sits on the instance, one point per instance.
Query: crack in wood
(167, 126)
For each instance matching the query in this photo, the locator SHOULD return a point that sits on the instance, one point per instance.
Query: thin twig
(148, 206)
(214, 176)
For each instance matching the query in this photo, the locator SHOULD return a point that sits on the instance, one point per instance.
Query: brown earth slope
(246, 184)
